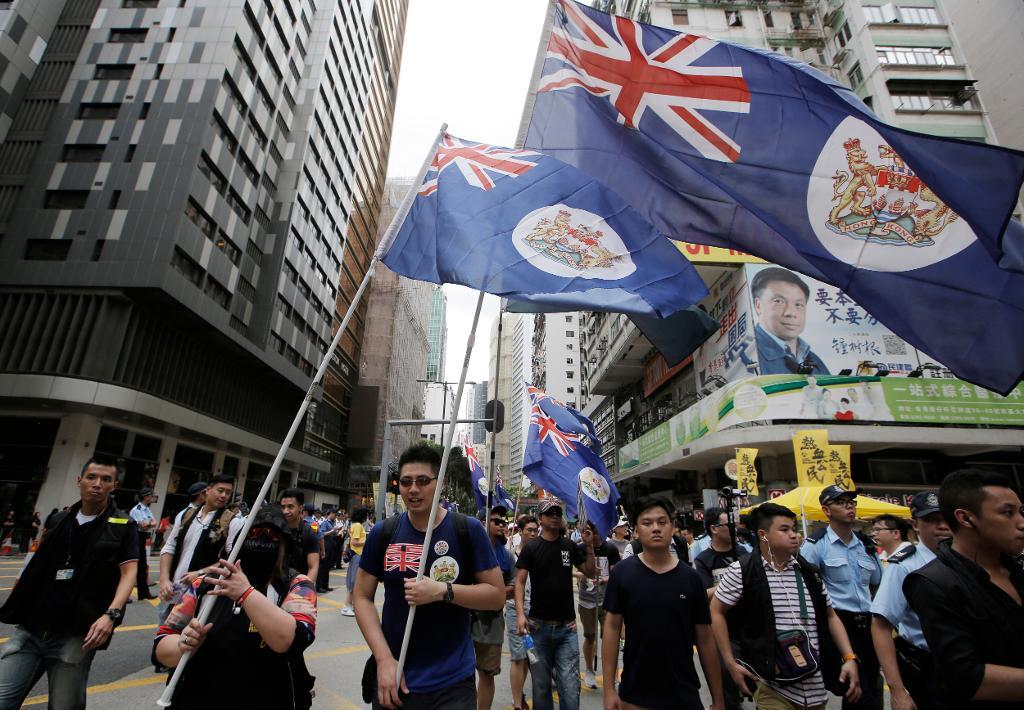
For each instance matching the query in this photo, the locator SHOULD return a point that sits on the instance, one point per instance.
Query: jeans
(27, 655)
(558, 651)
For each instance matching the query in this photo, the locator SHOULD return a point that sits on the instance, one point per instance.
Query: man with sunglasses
(547, 562)
(461, 574)
(850, 571)
(489, 626)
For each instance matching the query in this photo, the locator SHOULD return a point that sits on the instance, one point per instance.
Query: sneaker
(348, 611)
(589, 680)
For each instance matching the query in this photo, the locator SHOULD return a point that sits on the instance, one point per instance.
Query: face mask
(259, 559)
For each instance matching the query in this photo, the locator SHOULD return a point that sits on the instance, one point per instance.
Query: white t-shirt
(83, 519)
(188, 545)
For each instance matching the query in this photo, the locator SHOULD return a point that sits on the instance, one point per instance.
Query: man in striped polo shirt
(766, 595)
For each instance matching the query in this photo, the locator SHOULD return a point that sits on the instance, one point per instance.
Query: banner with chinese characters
(703, 254)
(798, 321)
(786, 398)
(731, 353)
(746, 472)
(811, 449)
(839, 466)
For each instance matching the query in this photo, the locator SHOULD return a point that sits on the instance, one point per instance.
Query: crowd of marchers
(933, 606)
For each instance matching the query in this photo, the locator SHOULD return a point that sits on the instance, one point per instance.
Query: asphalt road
(122, 677)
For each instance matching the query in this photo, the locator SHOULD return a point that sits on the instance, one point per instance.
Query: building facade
(500, 387)
(479, 435)
(437, 334)
(556, 355)
(189, 203)
(906, 419)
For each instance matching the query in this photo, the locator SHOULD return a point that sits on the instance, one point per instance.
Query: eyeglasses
(878, 530)
(256, 533)
(420, 481)
(530, 530)
(497, 521)
(845, 502)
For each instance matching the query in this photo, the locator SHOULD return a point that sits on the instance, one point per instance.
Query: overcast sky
(467, 62)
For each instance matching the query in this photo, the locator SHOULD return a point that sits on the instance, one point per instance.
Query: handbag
(795, 658)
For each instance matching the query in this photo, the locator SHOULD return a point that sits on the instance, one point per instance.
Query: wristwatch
(116, 615)
(449, 593)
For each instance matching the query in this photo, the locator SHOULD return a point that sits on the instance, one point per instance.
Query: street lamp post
(444, 398)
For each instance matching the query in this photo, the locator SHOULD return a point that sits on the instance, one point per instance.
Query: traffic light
(493, 424)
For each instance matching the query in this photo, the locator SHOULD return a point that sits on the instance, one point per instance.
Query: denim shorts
(516, 648)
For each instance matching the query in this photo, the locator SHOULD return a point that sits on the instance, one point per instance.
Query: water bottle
(531, 651)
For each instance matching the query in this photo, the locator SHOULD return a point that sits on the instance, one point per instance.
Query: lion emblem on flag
(886, 203)
(577, 247)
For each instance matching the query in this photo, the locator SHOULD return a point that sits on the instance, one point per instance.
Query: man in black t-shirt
(305, 555)
(711, 565)
(548, 561)
(665, 610)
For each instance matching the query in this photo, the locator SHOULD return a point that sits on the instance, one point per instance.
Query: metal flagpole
(440, 484)
(208, 601)
(494, 422)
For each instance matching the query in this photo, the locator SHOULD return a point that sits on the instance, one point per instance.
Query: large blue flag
(518, 223)
(568, 419)
(739, 147)
(561, 463)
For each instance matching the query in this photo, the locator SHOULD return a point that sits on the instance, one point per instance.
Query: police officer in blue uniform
(906, 661)
(850, 568)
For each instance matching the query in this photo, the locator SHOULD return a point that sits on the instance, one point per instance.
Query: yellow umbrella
(804, 502)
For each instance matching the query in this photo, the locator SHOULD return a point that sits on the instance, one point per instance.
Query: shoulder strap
(465, 544)
(387, 532)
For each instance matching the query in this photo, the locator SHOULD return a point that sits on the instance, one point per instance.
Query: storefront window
(138, 458)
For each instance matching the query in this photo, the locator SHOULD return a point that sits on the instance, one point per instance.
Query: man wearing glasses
(850, 570)
(461, 573)
(890, 535)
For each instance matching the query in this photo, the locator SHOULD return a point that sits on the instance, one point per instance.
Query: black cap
(270, 514)
(924, 503)
(499, 510)
(196, 488)
(145, 492)
(546, 506)
(834, 492)
(308, 507)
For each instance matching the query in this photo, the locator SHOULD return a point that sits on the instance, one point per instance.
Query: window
(919, 16)
(195, 213)
(855, 75)
(140, 3)
(932, 101)
(47, 249)
(239, 325)
(216, 178)
(568, 319)
(283, 307)
(130, 153)
(246, 290)
(931, 56)
(796, 19)
(680, 17)
(568, 346)
(83, 153)
(570, 333)
(277, 343)
(144, 113)
(114, 71)
(224, 244)
(97, 249)
(187, 266)
(220, 295)
(769, 20)
(843, 35)
(570, 390)
(568, 361)
(734, 18)
(104, 112)
(569, 374)
(66, 199)
(130, 35)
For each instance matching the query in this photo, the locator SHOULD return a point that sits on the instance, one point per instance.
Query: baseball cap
(499, 510)
(270, 515)
(195, 489)
(145, 492)
(833, 492)
(546, 506)
(924, 503)
(622, 522)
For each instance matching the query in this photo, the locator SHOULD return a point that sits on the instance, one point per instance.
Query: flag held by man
(518, 223)
(563, 464)
(740, 147)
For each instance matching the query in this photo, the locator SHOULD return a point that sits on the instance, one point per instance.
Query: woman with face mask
(263, 620)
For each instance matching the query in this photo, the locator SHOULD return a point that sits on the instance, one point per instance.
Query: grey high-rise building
(479, 405)
(437, 335)
(189, 199)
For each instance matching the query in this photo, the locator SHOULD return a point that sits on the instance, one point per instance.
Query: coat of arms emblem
(578, 247)
(887, 203)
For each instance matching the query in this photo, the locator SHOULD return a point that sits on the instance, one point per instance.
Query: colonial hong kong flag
(518, 223)
(564, 465)
(739, 147)
(479, 479)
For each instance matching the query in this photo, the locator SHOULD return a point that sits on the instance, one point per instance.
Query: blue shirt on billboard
(440, 648)
(773, 353)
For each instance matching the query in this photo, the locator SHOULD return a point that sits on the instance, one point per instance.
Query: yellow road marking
(338, 701)
(118, 630)
(106, 688)
(332, 652)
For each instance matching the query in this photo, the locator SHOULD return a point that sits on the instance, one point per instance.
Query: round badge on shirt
(444, 569)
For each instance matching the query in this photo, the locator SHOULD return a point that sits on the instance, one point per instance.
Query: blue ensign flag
(739, 147)
(476, 476)
(518, 223)
(568, 419)
(561, 463)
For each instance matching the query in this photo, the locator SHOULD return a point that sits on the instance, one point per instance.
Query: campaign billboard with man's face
(803, 326)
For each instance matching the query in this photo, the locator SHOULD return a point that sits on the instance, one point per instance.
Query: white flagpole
(449, 434)
(208, 601)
